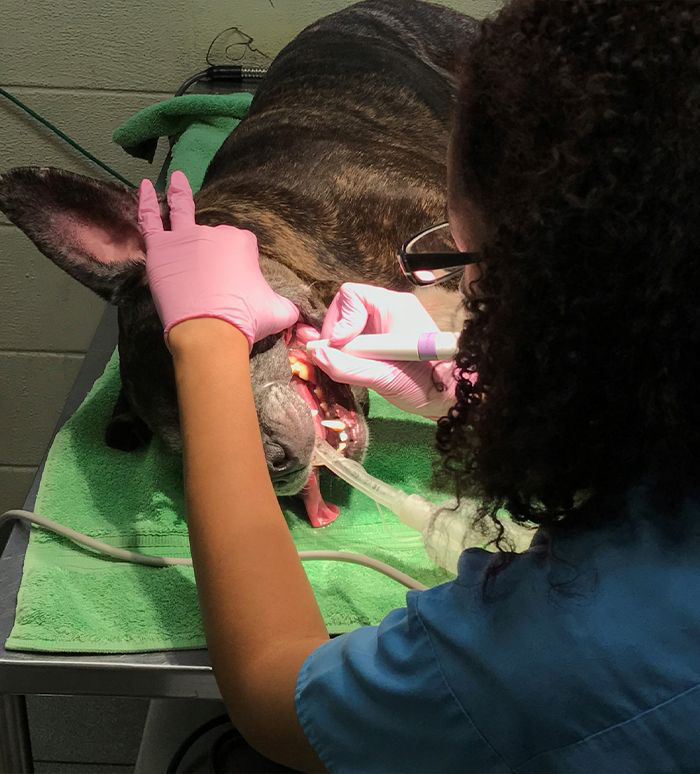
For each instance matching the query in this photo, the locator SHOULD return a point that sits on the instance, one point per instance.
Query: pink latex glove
(206, 271)
(412, 387)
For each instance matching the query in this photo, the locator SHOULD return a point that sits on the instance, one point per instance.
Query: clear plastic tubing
(445, 531)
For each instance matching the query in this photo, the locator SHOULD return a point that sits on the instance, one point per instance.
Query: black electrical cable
(237, 73)
(65, 137)
(191, 81)
(198, 733)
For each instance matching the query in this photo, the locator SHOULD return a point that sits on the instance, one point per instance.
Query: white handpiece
(434, 345)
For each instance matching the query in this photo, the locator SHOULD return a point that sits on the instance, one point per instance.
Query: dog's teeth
(334, 424)
(301, 370)
(343, 436)
(292, 360)
(342, 447)
(314, 413)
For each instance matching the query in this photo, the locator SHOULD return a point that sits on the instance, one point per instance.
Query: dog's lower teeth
(343, 436)
(342, 447)
(334, 424)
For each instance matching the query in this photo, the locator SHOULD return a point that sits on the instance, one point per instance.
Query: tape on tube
(427, 347)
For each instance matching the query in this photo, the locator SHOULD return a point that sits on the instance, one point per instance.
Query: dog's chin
(294, 485)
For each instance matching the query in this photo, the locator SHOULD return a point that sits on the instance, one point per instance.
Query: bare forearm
(254, 593)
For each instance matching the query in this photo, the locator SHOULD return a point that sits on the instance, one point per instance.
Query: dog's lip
(332, 406)
(331, 403)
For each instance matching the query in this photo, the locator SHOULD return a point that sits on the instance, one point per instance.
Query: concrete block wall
(87, 66)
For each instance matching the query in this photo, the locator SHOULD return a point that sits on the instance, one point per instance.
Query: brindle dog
(340, 158)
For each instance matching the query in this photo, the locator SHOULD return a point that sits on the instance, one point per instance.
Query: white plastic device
(432, 345)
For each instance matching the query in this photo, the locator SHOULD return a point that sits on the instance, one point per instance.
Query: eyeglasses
(432, 256)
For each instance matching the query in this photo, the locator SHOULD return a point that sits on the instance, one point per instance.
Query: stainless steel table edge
(183, 673)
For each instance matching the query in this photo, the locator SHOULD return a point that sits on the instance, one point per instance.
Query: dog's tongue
(320, 513)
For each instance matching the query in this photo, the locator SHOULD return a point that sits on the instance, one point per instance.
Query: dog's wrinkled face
(89, 229)
(288, 407)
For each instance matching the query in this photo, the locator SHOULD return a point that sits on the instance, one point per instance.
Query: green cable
(65, 137)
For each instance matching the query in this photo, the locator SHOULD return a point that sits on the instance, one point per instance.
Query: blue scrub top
(587, 661)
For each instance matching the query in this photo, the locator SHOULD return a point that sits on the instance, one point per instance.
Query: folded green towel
(72, 600)
(200, 122)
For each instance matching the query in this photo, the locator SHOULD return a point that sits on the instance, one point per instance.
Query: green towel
(71, 600)
(199, 123)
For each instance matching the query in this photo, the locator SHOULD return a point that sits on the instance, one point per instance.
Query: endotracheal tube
(445, 529)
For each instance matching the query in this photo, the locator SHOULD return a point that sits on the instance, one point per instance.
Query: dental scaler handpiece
(434, 345)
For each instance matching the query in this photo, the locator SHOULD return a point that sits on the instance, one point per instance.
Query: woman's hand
(426, 388)
(206, 271)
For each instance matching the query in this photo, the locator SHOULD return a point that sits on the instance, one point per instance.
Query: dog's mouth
(335, 417)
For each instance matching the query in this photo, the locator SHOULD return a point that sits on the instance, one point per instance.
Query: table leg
(15, 744)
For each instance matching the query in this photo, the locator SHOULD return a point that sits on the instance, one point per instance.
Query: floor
(85, 735)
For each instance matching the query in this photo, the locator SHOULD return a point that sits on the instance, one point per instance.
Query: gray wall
(86, 66)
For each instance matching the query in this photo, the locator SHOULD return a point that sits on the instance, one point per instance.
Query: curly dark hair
(577, 139)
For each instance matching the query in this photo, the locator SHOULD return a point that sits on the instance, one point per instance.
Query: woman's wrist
(202, 334)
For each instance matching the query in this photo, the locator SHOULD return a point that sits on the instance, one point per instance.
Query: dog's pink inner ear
(107, 247)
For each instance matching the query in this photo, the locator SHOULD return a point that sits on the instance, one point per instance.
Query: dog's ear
(87, 227)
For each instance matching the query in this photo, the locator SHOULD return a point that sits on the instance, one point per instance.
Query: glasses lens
(434, 240)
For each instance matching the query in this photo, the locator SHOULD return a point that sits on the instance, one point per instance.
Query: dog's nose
(283, 463)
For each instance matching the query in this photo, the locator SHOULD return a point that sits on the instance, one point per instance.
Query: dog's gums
(335, 419)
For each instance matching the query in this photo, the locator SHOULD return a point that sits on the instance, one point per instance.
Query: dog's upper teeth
(343, 436)
(334, 424)
(342, 447)
(301, 370)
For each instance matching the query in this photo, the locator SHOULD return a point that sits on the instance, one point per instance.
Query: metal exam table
(171, 674)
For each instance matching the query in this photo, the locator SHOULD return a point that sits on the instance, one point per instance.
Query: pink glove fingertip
(180, 201)
(149, 219)
(306, 333)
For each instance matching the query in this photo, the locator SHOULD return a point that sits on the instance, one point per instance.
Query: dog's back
(342, 155)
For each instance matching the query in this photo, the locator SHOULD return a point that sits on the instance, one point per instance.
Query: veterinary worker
(574, 174)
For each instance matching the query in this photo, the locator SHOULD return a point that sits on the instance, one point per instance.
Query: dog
(340, 158)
